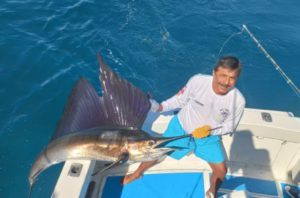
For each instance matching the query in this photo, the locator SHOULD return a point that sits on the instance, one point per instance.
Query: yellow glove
(201, 132)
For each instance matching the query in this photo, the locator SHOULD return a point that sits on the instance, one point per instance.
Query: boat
(263, 159)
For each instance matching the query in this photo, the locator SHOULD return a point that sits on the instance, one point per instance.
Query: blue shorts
(209, 149)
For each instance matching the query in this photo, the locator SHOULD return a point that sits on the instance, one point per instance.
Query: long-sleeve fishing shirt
(200, 105)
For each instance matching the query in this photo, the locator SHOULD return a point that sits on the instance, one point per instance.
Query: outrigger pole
(277, 67)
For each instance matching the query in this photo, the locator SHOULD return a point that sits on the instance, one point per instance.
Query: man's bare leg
(218, 173)
(138, 172)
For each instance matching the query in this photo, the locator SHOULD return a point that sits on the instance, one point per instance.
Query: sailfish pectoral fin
(123, 158)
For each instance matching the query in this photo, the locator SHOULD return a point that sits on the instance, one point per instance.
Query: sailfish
(104, 128)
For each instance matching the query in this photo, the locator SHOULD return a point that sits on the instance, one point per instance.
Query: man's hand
(154, 105)
(201, 132)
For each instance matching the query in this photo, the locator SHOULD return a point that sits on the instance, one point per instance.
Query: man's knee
(220, 170)
(223, 171)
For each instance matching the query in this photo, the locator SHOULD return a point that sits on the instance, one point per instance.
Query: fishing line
(268, 56)
(228, 39)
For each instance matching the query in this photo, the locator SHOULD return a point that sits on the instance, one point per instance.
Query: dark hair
(229, 62)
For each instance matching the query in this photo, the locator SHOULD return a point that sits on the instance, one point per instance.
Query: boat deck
(151, 185)
(191, 185)
(181, 178)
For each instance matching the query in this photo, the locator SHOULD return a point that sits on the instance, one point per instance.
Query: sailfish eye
(151, 142)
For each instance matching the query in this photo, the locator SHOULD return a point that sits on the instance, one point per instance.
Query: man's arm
(180, 99)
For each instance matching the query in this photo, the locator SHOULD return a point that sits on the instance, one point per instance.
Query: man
(205, 100)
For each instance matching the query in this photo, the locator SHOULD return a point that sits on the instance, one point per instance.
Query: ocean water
(45, 46)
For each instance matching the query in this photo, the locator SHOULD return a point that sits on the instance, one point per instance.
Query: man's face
(224, 79)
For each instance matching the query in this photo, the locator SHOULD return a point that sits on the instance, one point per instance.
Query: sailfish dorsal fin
(126, 105)
(121, 104)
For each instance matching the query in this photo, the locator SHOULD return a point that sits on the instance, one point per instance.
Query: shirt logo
(224, 114)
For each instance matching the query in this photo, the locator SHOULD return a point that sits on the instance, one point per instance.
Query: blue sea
(45, 46)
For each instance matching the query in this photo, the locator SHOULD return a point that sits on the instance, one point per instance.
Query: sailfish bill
(103, 128)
